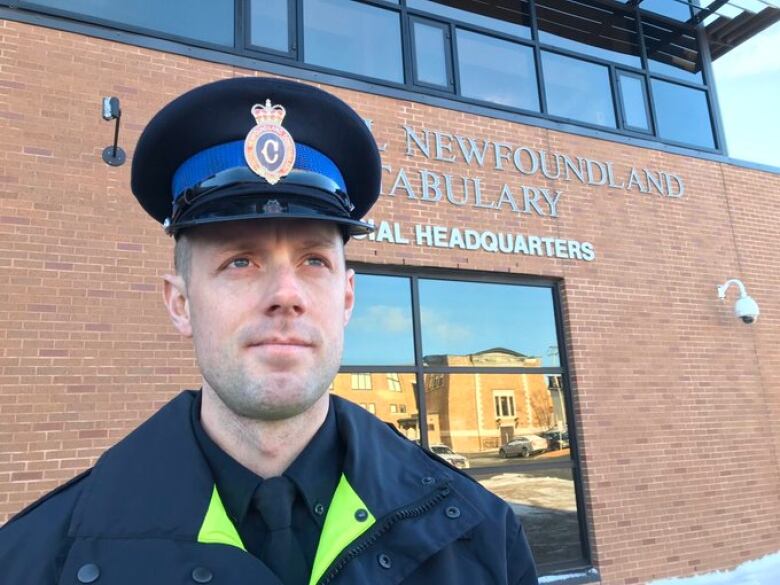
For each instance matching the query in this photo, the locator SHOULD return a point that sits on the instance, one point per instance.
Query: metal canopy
(729, 23)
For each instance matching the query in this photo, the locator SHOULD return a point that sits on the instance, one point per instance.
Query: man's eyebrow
(318, 243)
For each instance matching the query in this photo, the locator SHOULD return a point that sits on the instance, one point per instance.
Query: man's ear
(349, 295)
(177, 303)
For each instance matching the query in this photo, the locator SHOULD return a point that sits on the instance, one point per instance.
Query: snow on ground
(763, 571)
(533, 493)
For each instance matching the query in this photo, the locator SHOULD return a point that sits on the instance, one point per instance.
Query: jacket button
(361, 515)
(452, 512)
(384, 561)
(319, 509)
(428, 480)
(89, 573)
(202, 575)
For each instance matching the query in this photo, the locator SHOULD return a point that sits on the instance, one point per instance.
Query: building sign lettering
(519, 195)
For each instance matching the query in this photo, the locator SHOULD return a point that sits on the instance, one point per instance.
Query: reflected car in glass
(556, 440)
(523, 446)
(454, 459)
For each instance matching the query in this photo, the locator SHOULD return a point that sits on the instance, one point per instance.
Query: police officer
(263, 477)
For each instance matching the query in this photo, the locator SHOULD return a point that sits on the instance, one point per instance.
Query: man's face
(266, 303)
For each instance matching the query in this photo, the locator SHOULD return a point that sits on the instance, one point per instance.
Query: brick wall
(677, 407)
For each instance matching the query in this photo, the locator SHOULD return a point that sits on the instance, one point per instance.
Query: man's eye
(315, 261)
(239, 263)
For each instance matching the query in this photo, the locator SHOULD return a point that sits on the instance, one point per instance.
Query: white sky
(748, 83)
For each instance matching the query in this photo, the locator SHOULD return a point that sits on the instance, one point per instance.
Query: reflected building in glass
(479, 412)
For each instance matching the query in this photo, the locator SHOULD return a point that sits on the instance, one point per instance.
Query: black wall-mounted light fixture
(113, 155)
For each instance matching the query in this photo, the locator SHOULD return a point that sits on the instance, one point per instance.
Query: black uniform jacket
(148, 513)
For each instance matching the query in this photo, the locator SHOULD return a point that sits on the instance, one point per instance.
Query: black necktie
(282, 554)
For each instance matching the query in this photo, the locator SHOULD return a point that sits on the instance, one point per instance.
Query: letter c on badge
(273, 156)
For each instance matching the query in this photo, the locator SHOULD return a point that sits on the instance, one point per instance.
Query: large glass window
(598, 31)
(211, 21)
(578, 90)
(269, 25)
(676, 9)
(498, 71)
(469, 323)
(672, 51)
(352, 36)
(682, 114)
(506, 16)
(380, 330)
(493, 399)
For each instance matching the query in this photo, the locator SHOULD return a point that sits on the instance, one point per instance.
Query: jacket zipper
(367, 540)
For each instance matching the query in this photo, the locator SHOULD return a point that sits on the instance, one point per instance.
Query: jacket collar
(156, 482)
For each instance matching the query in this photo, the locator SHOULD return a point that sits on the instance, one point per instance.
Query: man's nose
(285, 296)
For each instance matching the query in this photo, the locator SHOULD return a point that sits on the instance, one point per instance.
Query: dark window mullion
(542, 91)
(422, 407)
(241, 14)
(408, 56)
(617, 104)
(712, 94)
(455, 59)
(299, 44)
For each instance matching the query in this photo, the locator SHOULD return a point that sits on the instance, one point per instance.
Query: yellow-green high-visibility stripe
(341, 527)
(217, 527)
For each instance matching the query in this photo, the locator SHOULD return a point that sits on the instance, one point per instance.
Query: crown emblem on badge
(269, 149)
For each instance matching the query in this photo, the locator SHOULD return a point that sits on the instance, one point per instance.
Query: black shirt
(315, 473)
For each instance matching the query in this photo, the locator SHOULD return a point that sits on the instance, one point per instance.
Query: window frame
(448, 58)
(292, 31)
(243, 54)
(618, 73)
(555, 285)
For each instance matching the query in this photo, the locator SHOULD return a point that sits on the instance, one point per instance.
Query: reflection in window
(671, 8)
(361, 381)
(268, 26)
(672, 51)
(354, 37)
(498, 71)
(393, 383)
(372, 393)
(211, 21)
(493, 417)
(505, 402)
(507, 16)
(578, 90)
(430, 53)
(682, 114)
(593, 30)
(485, 325)
(546, 504)
(380, 330)
(632, 93)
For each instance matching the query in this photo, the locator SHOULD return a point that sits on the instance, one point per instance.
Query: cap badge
(269, 149)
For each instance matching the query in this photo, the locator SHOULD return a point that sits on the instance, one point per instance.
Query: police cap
(255, 147)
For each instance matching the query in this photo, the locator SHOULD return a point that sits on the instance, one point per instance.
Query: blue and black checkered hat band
(222, 157)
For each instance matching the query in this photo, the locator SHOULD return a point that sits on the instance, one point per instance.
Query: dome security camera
(746, 309)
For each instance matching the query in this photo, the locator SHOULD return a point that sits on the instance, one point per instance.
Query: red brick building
(542, 270)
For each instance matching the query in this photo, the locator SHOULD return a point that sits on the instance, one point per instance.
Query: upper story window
(210, 21)
(627, 67)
